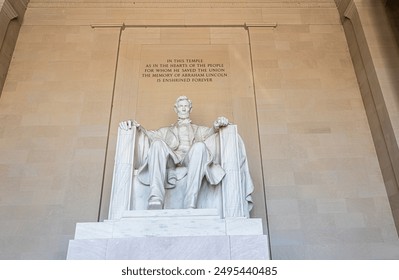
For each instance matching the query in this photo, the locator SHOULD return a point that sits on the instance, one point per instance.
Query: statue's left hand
(128, 125)
(220, 122)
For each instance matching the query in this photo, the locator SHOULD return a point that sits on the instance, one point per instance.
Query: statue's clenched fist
(127, 125)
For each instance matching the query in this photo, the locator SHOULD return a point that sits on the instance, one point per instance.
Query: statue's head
(183, 107)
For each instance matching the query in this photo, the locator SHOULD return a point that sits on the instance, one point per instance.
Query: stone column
(11, 14)
(375, 54)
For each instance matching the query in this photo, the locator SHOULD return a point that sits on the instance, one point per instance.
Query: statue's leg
(158, 155)
(195, 161)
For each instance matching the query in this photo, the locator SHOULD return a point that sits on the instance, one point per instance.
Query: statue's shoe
(154, 205)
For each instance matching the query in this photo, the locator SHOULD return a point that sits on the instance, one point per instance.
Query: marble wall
(291, 87)
(54, 109)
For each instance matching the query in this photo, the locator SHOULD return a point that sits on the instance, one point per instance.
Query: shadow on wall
(371, 87)
(11, 16)
(7, 45)
(390, 64)
(392, 8)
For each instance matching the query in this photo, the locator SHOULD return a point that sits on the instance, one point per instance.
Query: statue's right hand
(127, 125)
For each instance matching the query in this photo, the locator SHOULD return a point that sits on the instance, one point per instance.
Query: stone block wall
(324, 189)
(54, 125)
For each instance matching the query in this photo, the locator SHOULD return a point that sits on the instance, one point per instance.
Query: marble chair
(232, 197)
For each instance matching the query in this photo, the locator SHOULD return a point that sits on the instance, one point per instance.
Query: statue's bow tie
(183, 122)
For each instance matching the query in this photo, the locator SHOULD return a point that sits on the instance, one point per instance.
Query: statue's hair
(181, 98)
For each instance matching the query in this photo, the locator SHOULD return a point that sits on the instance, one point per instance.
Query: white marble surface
(171, 213)
(182, 222)
(171, 234)
(88, 249)
(249, 247)
(243, 226)
(169, 227)
(94, 230)
(169, 248)
(122, 179)
(233, 197)
(254, 247)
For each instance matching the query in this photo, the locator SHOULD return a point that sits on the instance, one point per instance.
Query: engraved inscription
(184, 70)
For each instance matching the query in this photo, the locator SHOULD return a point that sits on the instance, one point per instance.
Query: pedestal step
(170, 234)
(250, 247)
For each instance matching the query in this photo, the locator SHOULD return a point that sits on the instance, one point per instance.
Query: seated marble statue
(178, 151)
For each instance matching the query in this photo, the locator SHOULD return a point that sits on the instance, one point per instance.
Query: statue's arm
(129, 124)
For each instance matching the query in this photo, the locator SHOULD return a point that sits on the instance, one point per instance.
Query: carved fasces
(122, 181)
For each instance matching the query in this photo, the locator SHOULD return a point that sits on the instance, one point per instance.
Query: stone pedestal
(170, 235)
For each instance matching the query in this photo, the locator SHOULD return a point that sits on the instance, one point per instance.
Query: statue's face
(183, 109)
